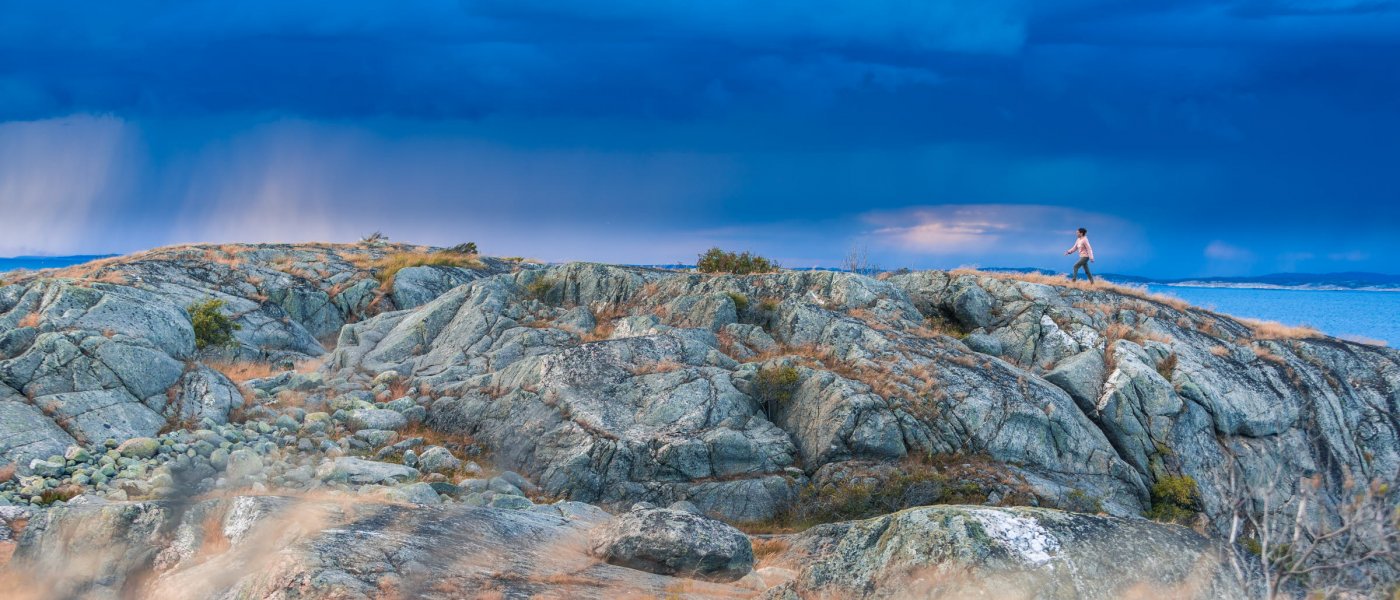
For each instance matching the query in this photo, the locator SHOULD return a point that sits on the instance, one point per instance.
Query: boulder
(143, 447)
(360, 471)
(377, 418)
(436, 459)
(673, 542)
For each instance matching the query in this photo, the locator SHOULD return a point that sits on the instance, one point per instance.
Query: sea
(34, 263)
(1359, 315)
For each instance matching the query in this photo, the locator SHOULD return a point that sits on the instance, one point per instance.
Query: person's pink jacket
(1082, 246)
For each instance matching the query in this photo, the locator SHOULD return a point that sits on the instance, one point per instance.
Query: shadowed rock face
(1186, 390)
(975, 552)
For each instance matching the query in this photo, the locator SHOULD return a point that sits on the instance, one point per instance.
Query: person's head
(1083, 232)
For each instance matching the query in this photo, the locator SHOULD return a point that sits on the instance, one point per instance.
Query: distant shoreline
(1275, 287)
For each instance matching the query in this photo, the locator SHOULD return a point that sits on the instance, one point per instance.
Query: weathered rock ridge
(106, 350)
(742, 398)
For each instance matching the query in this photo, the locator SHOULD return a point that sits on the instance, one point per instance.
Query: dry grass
(1061, 281)
(1167, 366)
(1273, 330)
(919, 383)
(222, 255)
(764, 548)
(1220, 351)
(390, 265)
(660, 366)
(606, 320)
(1111, 335)
(7, 472)
(1268, 355)
(29, 320)
(966, 360)
(241, 371)
(62, 492)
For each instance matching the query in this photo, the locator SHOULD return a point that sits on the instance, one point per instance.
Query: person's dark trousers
(1083, 263)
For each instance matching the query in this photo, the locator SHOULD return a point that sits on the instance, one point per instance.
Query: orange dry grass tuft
(241, 371)
(29, 320)
(603, 331)
(7, 472)
(390, 265)
(1061, 281)
(661, 366)
(766, 547)
(1268, 355)
(1272, 330)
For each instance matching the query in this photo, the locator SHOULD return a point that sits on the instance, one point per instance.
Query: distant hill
(32, 263)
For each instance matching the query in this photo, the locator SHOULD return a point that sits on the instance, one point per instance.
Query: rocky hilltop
(394, 419)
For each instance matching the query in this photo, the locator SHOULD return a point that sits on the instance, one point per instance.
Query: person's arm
(1073, 248)
(1090, 248)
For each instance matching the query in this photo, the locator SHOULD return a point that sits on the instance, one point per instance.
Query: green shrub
(913, 485)
(539, 288)
(467, 248)
(1252, 546)
(211, 327)
(1078, 501)
(768, 304)
(715, 260)
(741, 301)
(775, 385)
(1174, 499)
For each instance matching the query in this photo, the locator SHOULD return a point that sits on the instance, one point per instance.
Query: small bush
(915, 485)
(1078, 501)
(1174, 499)
(775, 386)
(539, 288)
(374, 238)
(467, 248)
(741, 301)
(768, 304)
(716, 260)
(211, 327)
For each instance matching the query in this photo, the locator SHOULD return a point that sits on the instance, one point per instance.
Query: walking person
(1086, 255)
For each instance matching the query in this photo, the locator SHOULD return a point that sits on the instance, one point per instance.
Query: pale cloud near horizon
(1025, 230)
(1219, 250)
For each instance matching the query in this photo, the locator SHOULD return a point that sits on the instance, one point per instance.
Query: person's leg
(1074, 275)
(1087, 272)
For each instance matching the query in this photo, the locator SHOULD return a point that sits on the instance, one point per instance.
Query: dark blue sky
(1191, 137)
